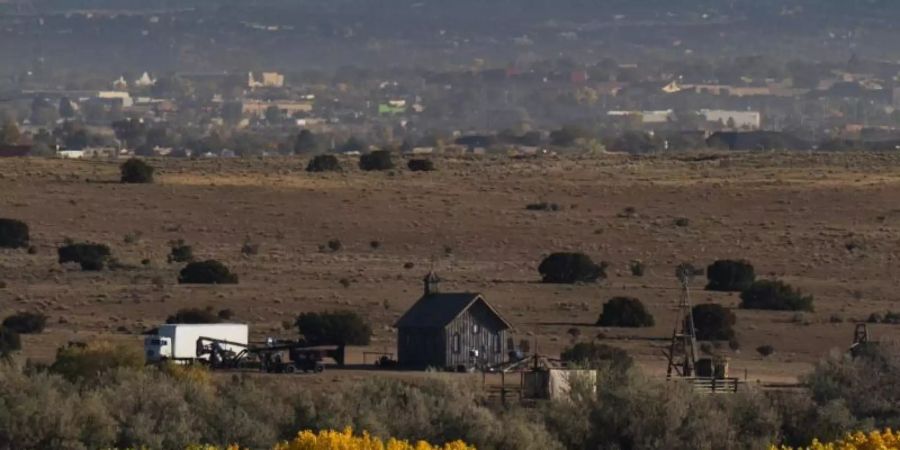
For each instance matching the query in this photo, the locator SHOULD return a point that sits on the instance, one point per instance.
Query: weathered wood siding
(478, 329)
(421, 347)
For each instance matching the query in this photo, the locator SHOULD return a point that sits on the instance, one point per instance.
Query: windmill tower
(682, 352)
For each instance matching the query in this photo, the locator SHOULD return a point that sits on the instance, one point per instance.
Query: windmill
(682, 353)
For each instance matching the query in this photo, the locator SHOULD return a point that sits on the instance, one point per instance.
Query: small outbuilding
(457, 331)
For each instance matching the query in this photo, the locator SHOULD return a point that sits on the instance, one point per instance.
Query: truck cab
(157, 348)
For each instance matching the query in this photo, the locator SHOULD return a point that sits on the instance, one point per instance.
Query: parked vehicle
(178, 342)
(273, 356)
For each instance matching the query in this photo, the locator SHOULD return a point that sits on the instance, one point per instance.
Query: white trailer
(178, 342)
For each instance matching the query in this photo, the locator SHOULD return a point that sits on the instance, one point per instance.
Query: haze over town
(515, 224)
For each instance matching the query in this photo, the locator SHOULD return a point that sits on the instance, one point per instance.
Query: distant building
(70, 154)
(729, 90)
(103, 152)
(120, 84)
(145, 81)
(646, 117)
(672, 88)
(452, 330)
(267, 79)
(258, 108)
(738, 120)
(122, 96)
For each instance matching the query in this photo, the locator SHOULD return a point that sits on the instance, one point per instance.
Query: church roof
(438, 310)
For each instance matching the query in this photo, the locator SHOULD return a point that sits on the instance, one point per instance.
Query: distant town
(267, 79)
(551, 106)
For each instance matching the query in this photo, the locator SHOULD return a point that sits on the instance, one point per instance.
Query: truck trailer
(178, 342)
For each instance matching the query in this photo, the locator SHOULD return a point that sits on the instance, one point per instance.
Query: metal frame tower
(682, 352)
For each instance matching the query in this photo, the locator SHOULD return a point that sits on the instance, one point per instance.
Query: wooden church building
(456, 331)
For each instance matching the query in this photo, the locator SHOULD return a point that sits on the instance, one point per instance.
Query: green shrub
(775, 295)
(542, 206)
(713, 322)
(136, 171)
(891, 317)
(569, 268)
(730, 276)
(89, 255)
(420, 165)
(194, 315)
(861, 382)
(594, 355)
(13, 234)
(333, 328)
(324, 163)
(249, 248)
(207, 272)
(180, 252)
(377, 160)
(26, 322)
(765, 350)
(625, 312)
(802, 420)
(9, 342)
(89, 361)
(637, 268)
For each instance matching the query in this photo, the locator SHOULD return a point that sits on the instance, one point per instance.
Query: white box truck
(178, 342)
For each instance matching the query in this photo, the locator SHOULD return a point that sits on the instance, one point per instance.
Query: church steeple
(431, 282)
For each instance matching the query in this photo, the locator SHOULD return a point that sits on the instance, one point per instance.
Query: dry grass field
(826, 223)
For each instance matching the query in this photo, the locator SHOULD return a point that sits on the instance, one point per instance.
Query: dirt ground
(826, 223)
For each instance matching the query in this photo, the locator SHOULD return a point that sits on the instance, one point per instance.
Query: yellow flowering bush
(345, 440)
(875, 440)
(193, 373)
(212, 447)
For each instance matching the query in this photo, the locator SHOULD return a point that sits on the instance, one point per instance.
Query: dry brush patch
(815, 221)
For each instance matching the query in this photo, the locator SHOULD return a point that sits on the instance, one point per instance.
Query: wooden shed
(457, 331)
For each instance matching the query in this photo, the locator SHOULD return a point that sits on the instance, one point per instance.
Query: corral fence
(713, 385)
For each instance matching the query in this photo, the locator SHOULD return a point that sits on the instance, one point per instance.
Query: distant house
(145, 80)
(451, 331)
(120, 84)
(116, 96)
(743, 120)
(258, 107)
(646, 117)
(70, 154)
(726, 90)
(267, 79)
